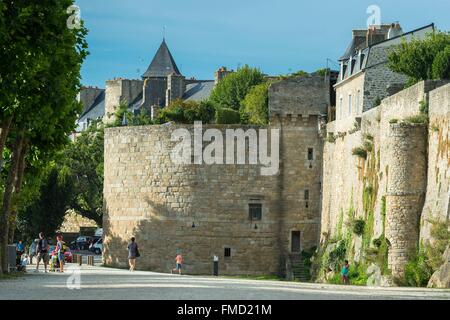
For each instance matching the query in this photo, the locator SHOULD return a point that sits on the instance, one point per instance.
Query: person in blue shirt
(20, 248)
(345, 272)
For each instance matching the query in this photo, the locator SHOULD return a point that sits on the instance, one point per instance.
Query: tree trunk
(6, 125)
(7, 197)
(17, 189)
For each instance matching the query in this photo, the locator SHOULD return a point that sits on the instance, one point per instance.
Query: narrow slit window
(227, 252)
(310, 154)
(306, 194)
(255, 211)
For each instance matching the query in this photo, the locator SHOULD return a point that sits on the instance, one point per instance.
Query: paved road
(107, 283)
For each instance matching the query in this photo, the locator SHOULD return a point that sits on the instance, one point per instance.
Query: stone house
(161, 83)
(364, 77)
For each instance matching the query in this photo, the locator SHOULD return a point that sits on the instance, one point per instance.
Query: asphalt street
(102, 283)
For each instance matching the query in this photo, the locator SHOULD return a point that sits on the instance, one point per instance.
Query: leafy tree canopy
(82, 163)
(255, 106)
(231, 91)
(423, 59)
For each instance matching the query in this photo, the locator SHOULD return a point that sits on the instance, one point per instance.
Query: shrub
(417, 119)
(335, 279)
(441, 236)
(392, 121)
(360, 152)
(181, 111)
(255, 106)
(357, 275)
(174, 113)
(423, 107)
(359, 226)
(337, 256)
(331, 138)
(417, 271)
(227, 116)
(441, 64)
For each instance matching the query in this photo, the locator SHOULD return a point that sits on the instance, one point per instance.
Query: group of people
(133, 253)
(40, 249)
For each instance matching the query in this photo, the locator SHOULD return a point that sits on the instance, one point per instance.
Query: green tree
(231, 91)
(82, 163)
(417, 57)
(40, 77)
(255, 106)
(441, 64)
(48, 207)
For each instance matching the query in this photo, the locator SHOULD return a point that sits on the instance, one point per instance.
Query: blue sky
(277, 36)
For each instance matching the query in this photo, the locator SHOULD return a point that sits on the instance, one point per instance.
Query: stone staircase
(299, 271)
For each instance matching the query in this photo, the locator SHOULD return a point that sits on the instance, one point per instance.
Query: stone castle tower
(255, 224)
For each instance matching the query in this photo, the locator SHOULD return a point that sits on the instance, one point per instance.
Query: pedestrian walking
(42, 252)
(60, 245)
(345, 272)
(133, 253)
(179, 263)
(32, 251)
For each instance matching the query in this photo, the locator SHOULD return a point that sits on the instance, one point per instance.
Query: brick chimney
(221, 73)
(376, 34)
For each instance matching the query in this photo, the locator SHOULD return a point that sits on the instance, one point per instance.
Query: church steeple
(162, 64)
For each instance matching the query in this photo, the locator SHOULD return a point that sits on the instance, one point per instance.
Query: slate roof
(98, 104)
(369, 58)
(162, 64)
(198, 91)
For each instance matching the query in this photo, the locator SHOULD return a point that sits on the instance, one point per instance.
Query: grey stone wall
(345, 176)
(159, 202)
(437, 203)
(117, 91)
(154, 92)
(405, 195)
(304, 95)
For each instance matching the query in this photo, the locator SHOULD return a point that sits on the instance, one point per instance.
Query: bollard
(80, 259)
(216, 266)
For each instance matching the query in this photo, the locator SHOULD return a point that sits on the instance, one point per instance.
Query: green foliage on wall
(359, 226)
(441, 240)
(227, 116)
(359, 152)
(188, 112)
(417, 271)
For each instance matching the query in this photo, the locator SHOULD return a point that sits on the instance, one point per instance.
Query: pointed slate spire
(162, 64)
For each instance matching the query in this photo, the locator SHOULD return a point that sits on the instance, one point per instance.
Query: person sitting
(23, 263)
